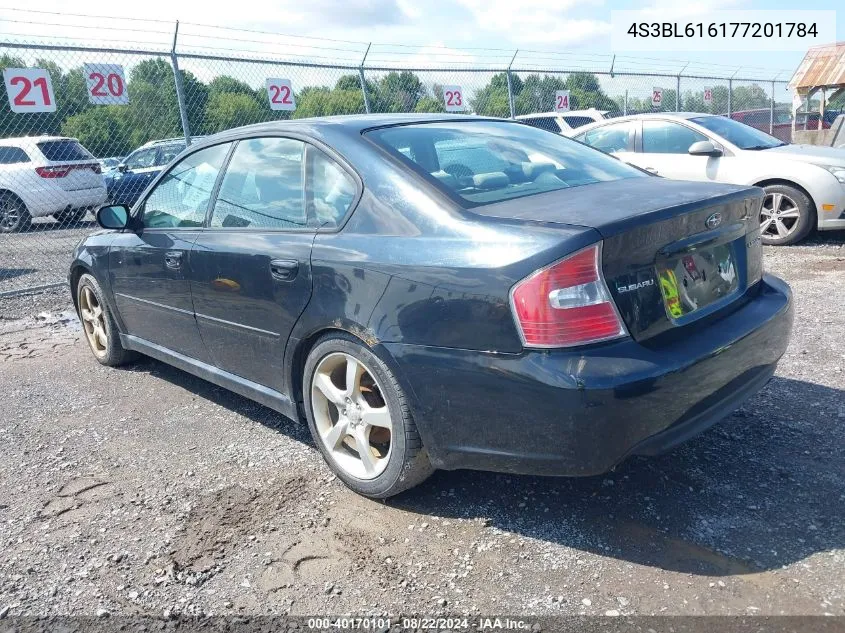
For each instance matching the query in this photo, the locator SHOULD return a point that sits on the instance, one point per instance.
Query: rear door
(251, 268)
(617, 139)
(148, 267)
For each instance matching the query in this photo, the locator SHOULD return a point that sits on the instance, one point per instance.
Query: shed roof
(822, 67)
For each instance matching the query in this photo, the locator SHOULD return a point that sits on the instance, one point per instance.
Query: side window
(666, 137)
(181, 198)
(12, 155)
(142, 158)
(542, 122)
(610, 138)
(577, 121)
(167, 153)
(332, 190)
(263, 186)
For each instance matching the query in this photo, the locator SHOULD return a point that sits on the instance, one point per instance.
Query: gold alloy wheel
(93, 321)
(351, 415)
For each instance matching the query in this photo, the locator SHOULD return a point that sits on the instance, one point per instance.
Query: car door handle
(650, 170)
(284, 269)
(173, 259)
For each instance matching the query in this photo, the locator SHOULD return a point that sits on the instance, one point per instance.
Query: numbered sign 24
(29, 90)
(656, 97)
(280, 93)
(106, 84)
(562, 101)
(708, 95)
(453, 99)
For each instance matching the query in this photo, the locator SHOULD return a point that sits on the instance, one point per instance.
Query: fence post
(678, 94)
(510, 86)
(772, 110)
(730, 95)
(180, 91)
(364, 80)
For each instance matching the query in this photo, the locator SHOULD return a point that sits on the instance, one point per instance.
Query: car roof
(35, 139)
(556, 114)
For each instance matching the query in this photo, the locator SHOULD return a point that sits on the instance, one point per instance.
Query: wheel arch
(77, 269)
(790, 183)
(8, 192)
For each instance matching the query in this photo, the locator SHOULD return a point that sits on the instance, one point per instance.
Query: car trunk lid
(673, 251)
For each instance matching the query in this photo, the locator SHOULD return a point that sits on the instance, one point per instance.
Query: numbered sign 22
(708, 95)
(453, 99)
(29, 90)
(106, 84)
(280, 93)
(656, 97)
(562, 101)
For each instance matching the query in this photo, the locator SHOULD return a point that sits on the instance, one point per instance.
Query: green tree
(492, 99)
(104, 130)
(398, 92)
(226, 110)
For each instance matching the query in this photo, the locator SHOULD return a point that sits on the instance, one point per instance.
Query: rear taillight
(567, 303)
(53, 172)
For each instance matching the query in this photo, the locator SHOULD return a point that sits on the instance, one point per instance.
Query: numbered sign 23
(106, 84)
(708, 95)
(280, 93)
(562, 101)
(453, 99)
(656, 97)
(29, 90)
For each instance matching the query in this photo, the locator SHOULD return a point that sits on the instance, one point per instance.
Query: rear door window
(12, 156)
(142, 158)
(616, 137)
(543, 123)
(64, 150)
(577, 121)
(263, 186)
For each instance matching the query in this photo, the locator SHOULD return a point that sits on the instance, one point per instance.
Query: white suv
(47, 175)
(563, 122)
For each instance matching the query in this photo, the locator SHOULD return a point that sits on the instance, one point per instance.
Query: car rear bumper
(580, 412)
(50, 201)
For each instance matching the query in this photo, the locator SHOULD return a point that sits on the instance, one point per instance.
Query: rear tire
(14, 216)
(364, 431)
(98, 324)
(787, 217)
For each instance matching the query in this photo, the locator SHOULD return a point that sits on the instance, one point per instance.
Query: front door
(665, 152)
(251, 268)
(148, 267)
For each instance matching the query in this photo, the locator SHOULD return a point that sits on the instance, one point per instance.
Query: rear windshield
(484, 162)
(64, 150)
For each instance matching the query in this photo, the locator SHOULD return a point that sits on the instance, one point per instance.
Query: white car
(804, 184)
(563, 122)
(47, 175)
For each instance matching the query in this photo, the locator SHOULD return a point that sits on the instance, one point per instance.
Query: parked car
(126, 183)
(553, 317)
(109, 164)
(560, 122)
(763, 118)
(804, 184)
(46, 176)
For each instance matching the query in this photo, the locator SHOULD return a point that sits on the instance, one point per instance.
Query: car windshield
(489, 161)
(741, 135)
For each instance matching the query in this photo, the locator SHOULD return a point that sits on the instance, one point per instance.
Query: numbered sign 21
(106, 84)
(708, 95)
(562, 101)
(453, 99)
(29, 90)
(656, 97)
(280, 93)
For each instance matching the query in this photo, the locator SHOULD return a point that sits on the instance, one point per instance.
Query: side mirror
(704, 148)
(113, 217)
(122, 167)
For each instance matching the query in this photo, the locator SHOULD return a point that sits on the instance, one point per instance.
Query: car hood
(816, 154)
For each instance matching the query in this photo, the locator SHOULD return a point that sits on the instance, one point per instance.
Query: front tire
(14, 216)
(99, 325)
(787, 216)
(360, 420)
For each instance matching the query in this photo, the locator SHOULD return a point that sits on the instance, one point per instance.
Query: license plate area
(697, 278)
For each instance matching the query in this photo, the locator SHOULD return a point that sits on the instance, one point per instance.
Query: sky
(569, 32)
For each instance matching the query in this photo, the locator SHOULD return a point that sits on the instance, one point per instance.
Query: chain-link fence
(132, 111)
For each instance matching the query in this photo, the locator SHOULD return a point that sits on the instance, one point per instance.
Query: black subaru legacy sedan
(442, 292)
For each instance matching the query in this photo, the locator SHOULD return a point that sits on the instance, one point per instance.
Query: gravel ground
(146, 491)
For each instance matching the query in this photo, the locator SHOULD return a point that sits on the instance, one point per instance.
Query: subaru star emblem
(713, 221)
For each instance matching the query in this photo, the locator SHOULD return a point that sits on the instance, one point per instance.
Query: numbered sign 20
(656, 97)
(280, 93)
(453, 99)
(29, 90)
(708, 95)
(562, 101)
(106, 84)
